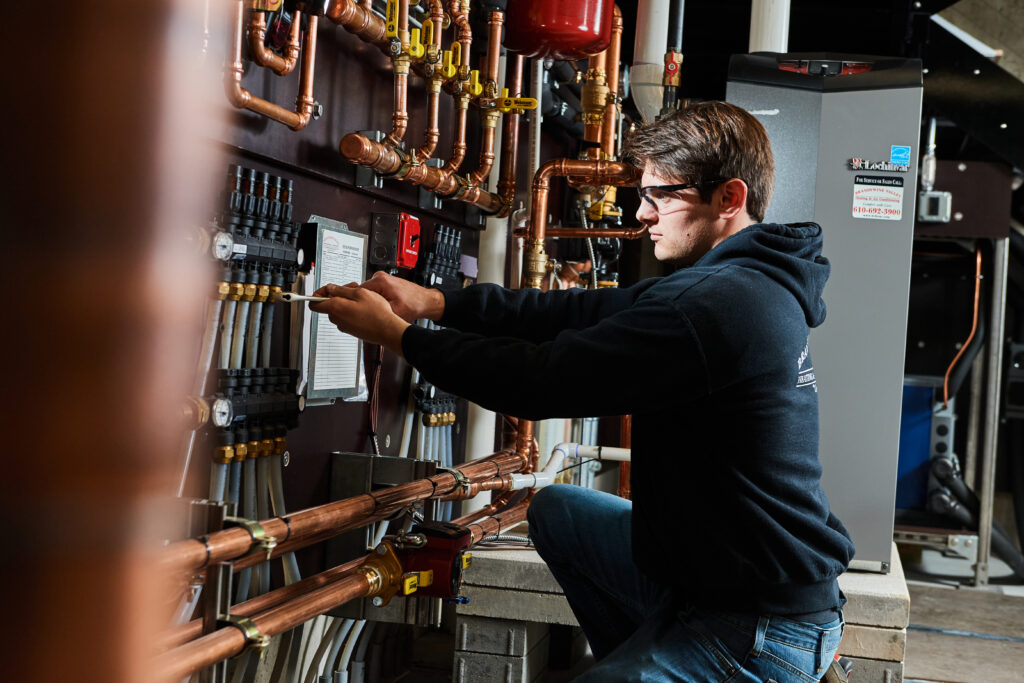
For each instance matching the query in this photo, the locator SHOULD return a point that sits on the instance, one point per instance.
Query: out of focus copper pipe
(621, 233)
(625, 440)
(611, 110)
(228, 641)
(359, 20)
(263, 56)
(243, 99)
(502, 483)
(510, 135)
(191, 555)
(260, 603)
(489, 509)
(599, 172)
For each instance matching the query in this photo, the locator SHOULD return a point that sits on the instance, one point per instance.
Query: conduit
(243, 99)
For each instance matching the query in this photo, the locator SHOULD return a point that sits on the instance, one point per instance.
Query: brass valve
(518, 104)
(383, 571)
(475, 87)
(673, 69)
(534, 263)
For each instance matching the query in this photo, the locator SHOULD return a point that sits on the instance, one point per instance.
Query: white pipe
(650, 45)
(321, 650)
(358, 662)
(421, 438)
(346, 626)
(410, 415)
(266, 334)
(252, 340)
(769, 26)
(350, 644)
(210, 334)
(566, 450)
(289, 564)
(226, 333)
(263, 512)
(218, 481)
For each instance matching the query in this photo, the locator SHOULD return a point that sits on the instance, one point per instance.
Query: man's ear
(732, 198)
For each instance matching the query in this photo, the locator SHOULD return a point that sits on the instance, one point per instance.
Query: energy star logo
(899, 154)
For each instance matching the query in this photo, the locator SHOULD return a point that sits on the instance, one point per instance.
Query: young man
(724, 565)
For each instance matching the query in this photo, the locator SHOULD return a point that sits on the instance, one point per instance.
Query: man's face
(682, 227)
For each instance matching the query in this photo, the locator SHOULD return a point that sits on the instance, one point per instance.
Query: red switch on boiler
(408, 240)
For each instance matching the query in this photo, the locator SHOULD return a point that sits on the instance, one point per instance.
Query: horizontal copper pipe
(621, 233)
(243, 99)
(611, 110)
(228, 641)
(361, 21)
(497, 522)
(594, 172)
(263, 56)
(194, 628)
(331, 519)
(363, 151)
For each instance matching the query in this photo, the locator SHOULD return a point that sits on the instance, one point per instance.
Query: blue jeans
(637, 630)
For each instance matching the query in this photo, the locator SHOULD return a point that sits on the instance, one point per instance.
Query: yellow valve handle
(428, 32)
(449, 60)
(475, 87)
(507, 103)
(416, 49)
(391, 19)
(266, 5)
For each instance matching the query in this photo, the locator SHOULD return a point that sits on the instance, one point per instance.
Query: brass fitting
(275, 293)
(250, 292)
(673, 74)
(605, 206)
(223, 289)
(241, 452)
(237, 289)
(266, 447)
(224, 454)
(594, 96)
(383, 571)
(534, 263)
(280, 445)
(254, 449)
(490, 118)
(451, 418)
(262, 293)
(401, 63)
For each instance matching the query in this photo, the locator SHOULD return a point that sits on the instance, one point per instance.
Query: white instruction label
(336, 355)
(878, 197)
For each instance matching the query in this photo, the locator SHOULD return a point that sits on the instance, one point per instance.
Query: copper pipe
(611, 110)
(361, 150)
(400, 64)
(432, 133)
(331, 519)
(459, 146)
(490, 116)
(593, 172)
(260, 603)
(361, 21)
(494, 524)
(243, 99)
(594, 98)
(459, 12)
(625, 440)
(503, 483)
(621, 233)
(228, 641)
(485, 511)
(510, 135)
(263, 56)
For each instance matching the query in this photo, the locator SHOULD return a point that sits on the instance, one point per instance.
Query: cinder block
(511, 569)
(498, 603)
(888, 644)
(877, 599)
(497, 636)
(476, 667)
(867, 670)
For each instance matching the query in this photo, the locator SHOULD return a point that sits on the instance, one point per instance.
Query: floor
(960, 634)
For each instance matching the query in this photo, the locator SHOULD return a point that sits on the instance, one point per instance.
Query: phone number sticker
(878, 198)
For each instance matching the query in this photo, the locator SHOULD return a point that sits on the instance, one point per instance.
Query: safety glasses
(661, 196)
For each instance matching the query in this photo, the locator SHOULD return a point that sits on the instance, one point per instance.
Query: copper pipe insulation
(319, 522)
(243, 99)
(228, 641)
(361, 21)
(621, 233)
(194, 629)
(611, 110)
(263, 56)
(510, 135)
(974, 329)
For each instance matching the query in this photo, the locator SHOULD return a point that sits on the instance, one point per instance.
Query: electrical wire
(375, 399)
(974, 329)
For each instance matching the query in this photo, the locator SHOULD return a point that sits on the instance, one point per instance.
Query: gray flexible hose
(266, 334)
(350, 644)
(238, 339)
(321, 650)
(332, 657)
(218, 481)
(234, 482)
(289, 564)
(226, 333)
(252, 339)
(262, 512)
(359, 660)
(210, 335)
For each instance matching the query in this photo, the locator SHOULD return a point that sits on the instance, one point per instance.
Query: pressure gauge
(223, 246)
(222, 413)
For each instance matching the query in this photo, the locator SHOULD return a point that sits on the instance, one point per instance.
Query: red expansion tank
(560, 29)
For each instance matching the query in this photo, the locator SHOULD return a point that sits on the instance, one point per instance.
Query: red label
(408, 240)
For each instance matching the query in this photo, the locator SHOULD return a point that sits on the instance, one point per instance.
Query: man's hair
(708, 140)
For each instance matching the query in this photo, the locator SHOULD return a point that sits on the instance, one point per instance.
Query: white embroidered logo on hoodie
(805, 376)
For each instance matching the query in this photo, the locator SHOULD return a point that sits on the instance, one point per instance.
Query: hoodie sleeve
(640, 359)
(531, 314)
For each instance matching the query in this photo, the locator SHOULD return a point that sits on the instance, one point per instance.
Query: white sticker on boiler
(878, 197)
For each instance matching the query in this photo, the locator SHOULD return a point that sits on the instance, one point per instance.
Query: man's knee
(548, 512)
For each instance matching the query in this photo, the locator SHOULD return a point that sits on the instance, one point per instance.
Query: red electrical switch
(408, 240)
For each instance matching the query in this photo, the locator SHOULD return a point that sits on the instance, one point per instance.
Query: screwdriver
(293, 298)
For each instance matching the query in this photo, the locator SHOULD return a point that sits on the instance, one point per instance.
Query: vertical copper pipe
(360, 21)
(625, 440)
(434, 81)
(611, 110)
(490, 117)
(400, 63)
(510, 135)
(282, 66)
(243, 99)
(459, 12)
(594, 97)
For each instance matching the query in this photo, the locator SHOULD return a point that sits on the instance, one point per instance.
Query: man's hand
(408, 300)
(362, 313)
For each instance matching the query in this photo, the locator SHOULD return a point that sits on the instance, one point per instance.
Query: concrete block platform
(516, 588)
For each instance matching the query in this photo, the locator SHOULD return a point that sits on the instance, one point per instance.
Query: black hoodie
(713, 364)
